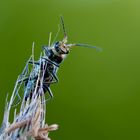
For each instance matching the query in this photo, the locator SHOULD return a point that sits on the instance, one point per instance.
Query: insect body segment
(47, 77)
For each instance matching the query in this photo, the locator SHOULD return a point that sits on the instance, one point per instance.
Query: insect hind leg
(46, 89)
(18, 101)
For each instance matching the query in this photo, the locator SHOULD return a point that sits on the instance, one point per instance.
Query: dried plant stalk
(29, 124)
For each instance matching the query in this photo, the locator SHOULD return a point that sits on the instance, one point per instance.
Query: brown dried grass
(29, 124)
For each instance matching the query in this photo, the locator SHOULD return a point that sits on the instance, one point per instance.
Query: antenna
(84, 45)
(56, 35)
(64, 29)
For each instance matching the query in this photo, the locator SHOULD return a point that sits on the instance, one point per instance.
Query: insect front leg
(50, 92)
(55, 78)
(24, 75)
(47, 88)
(34, 62)
(16, 93)
(18, 100)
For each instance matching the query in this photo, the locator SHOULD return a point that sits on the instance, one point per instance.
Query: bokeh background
(98, 96)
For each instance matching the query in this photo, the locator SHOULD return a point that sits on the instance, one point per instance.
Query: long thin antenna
(84, 45)
(56, 34)
(63, 27)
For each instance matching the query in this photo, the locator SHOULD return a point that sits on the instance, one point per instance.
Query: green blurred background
(98, 96)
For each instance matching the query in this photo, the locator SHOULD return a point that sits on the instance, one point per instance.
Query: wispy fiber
(28, 123)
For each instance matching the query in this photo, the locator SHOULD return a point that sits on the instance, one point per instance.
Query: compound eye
(57, 44)
(57, 47)
(61, 48)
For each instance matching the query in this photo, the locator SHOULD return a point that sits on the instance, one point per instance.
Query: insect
(44, 71)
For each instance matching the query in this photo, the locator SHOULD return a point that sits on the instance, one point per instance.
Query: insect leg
(16, 94)
(34, 62)
(21, 78)
(46, 88)
(53, 63)
(18, 101)
(26, 69)
(55, 77)
(50, 92)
